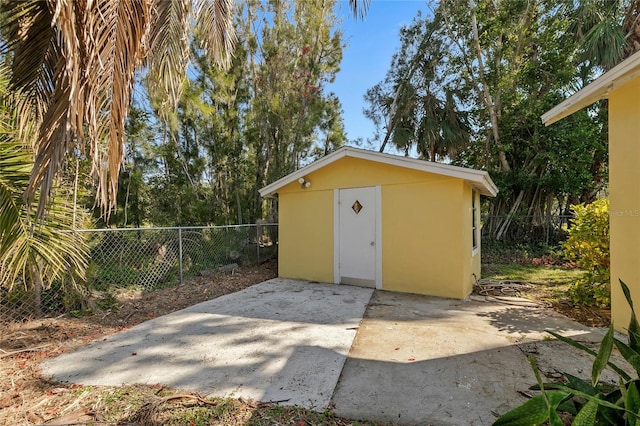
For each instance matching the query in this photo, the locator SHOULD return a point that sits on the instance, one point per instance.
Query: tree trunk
(75, 194)
(631, 28)
(486, 94)
(391, 122)
(504, 227)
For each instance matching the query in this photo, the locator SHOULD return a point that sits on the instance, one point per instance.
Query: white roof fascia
(598, 89)
(318, 164)
(477, 178)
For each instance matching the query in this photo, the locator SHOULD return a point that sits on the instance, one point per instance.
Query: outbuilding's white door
(357, 235)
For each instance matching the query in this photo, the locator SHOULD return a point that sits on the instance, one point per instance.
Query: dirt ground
(26, 398)
(591, 316)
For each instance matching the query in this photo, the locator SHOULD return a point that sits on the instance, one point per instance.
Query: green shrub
(588, 246)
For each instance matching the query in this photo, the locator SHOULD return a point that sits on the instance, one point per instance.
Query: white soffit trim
(598, 89)
(479, 179)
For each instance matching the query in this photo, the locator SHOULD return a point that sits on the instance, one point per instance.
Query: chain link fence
(150, 259)
(526, 229)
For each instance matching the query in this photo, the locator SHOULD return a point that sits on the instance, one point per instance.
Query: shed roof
(598, 89)
(478, 179)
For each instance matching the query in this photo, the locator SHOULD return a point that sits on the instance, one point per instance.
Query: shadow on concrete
(423, 360)
(518, 320)
(280, 340)
(466, 389)
(414, 360)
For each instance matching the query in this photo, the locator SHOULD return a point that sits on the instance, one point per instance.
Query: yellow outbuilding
(621, 85)
(395, 223)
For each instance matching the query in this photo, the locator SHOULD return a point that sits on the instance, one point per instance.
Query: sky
(371, 43)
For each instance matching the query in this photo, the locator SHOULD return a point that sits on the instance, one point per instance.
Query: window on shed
(474, 220)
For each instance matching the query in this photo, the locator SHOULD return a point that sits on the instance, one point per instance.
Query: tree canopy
(471, 79)
(73, 64)
(231, 96)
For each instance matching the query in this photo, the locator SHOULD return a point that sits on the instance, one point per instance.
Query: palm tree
(419, 118)
(33, 254)
(73, 68)
(443, 130)
(609, 31)
(417, 113)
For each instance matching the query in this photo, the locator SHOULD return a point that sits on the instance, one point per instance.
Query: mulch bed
(591, 316)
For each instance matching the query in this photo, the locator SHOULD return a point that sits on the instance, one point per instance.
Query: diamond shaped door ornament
(357, 207)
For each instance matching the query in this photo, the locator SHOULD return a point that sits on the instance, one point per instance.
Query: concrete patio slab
(281, 340)
(416, 360)
(421, 360)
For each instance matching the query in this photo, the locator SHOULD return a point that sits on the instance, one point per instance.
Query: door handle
(373, 243)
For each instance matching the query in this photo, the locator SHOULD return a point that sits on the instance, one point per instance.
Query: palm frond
(41, 246)
(15, 168)
(214, 23)
(63, 109)
(168, 51)
(14, 176)
(55, 137)
(27, 246)
(605, 43)
(73, 68)
(115, 32)
(359, 8)
(29, 35)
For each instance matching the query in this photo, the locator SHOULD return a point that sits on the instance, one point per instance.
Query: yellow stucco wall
(423, 245)
(624, 187)
(305, 236)
(426, 221)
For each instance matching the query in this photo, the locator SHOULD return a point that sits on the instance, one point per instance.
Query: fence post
(257, 245)
(180, 254)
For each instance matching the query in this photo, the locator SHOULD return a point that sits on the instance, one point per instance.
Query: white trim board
(479, 179)
(598, 89)
(336, 236)
(379, 237)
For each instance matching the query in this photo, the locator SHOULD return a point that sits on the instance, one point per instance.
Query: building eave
(478, 179)
(597, 90)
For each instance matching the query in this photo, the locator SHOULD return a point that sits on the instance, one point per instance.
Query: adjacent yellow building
(621, 85)
(395, 223)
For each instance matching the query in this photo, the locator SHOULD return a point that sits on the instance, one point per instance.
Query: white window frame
(475, 237)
